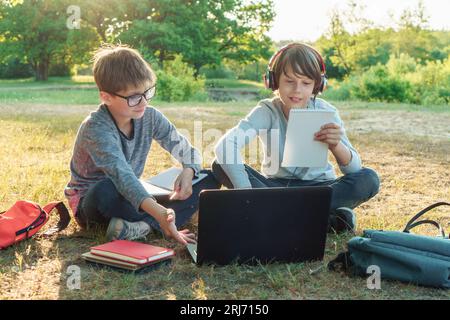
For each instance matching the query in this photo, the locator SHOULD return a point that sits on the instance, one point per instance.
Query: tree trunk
(42, 70)
(161, 57)
(197, 67)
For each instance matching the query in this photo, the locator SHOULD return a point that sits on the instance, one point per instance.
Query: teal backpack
(400, 255)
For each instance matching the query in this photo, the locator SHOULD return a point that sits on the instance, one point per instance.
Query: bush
(338, 90)
(14, 69)
(247, 71)
(82, 70)
(402, 79)
(59, 70)
(217, 72)
(401, 65)
(176, 82)
(433, 82)
(264, 94)
(253, 71)
(377, 84)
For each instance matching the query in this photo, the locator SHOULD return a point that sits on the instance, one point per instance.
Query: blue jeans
(103, 202)
(349, 190)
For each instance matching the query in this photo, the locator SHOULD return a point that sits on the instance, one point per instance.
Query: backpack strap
(64, 216)
(434, 223)
(413, 223)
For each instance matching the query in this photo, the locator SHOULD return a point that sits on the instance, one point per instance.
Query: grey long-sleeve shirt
(101, 151)
(267, 121)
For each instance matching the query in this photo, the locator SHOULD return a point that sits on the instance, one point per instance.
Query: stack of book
(128, 255)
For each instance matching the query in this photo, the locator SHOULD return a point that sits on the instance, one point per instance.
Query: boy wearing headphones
(296, 74)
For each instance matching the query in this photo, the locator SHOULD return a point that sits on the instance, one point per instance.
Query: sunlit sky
(308, 19)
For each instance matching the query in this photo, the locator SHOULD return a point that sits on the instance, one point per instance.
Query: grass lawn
(31, 82)
(234, 84)
(409, 146)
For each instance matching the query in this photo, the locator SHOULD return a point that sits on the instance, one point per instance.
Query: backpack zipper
(32, 225)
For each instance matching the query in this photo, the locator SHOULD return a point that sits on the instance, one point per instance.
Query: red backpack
(25, 218)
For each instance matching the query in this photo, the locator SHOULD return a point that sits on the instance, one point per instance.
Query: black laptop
(262, 225)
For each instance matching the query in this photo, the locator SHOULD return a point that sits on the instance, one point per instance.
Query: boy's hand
(167, 224)
(183, 185)
(330, 133)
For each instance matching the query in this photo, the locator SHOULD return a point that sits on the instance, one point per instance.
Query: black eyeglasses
(135, 99)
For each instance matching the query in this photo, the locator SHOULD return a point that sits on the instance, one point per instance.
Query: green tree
(110, 17)
(348, 52)
(338, 38)
(330, 56)
(36, 32)
(414, 18)
(205, 31)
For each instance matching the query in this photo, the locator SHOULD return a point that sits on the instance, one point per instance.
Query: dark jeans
(349, 190)
(103, 202)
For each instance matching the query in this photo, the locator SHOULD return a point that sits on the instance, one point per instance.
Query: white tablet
(300, 149)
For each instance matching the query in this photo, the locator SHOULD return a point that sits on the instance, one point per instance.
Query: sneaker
(119, 229)
(341, 220)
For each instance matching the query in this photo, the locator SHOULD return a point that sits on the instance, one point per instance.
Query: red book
(132, 252)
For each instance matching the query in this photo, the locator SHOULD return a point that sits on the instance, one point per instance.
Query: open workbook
(162, 183)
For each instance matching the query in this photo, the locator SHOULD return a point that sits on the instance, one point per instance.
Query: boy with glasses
(112, 146)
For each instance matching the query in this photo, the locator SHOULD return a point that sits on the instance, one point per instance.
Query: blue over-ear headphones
(269, 77)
